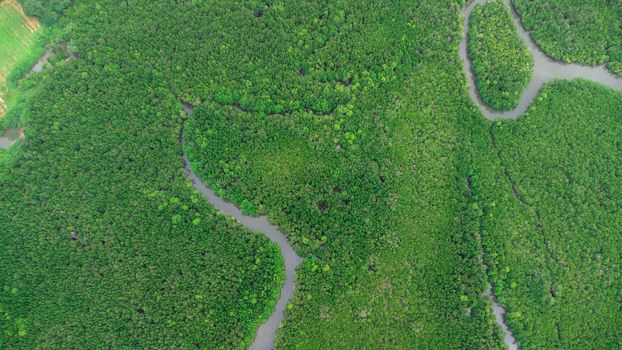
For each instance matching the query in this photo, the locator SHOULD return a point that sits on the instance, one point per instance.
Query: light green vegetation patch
(502, 64)
(19, 46)
(586, 31)
(18, 35)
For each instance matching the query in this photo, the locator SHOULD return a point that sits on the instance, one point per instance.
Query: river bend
(545, 69)
(264, 339)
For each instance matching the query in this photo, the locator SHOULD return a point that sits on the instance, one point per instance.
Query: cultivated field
(17, 33)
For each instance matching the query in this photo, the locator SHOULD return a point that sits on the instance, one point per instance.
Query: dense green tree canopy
(48, 11)
(501, 62)
(348, 124)
(554, 237)
(583, 31)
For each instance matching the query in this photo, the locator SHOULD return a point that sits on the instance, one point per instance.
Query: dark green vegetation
(501, 62)
(361, 173)
(583, 31)
(555, 247)
(105, 245)
(369, 202)
(5, 157)
(347, 122)
(48, 11)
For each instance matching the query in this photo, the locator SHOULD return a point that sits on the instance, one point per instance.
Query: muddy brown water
(499, 312)
(264, 339)
(38, 67)
(545, 69)
(9, 137)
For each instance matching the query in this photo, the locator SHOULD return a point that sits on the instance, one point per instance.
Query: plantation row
(502, 64)
(586, 31)
(21, 44)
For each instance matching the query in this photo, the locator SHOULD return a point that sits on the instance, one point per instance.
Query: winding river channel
(499, 312)
(545, 69)
(264, 340)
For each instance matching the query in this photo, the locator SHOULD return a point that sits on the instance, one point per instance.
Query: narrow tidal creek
(545, 69)
(264, 340)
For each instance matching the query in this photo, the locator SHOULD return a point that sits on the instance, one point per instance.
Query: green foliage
(5, 158)
(347, 123)
(370, 191)
(48, 11)
(101, 162)
(501, 63)
(586, 31)
(552, 219)
(302, 124)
